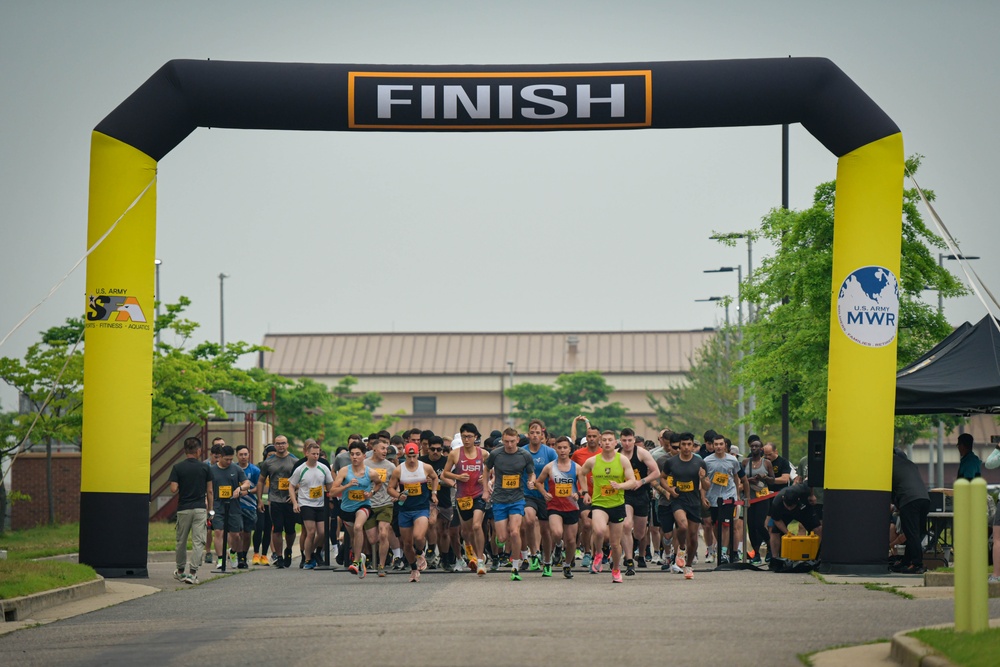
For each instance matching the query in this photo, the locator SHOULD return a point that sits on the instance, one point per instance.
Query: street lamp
(741, 407)
(940, 434)
(222, 312)
(158, 298)
(510, 411)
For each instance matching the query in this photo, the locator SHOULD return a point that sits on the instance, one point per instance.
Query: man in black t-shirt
(792, 504)
(192, 480)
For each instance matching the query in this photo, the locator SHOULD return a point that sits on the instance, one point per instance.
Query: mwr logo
(115, 308)
(868, 306)
(499, 100)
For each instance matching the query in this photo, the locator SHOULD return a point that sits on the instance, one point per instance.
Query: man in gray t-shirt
(277, 470)
(381, 516)
(508, 464)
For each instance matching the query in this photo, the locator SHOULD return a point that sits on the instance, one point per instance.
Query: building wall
(28, 476)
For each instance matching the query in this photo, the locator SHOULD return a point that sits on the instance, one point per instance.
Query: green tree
(309, 409)
(50, 381)
(184, 379)
(585, 392)
(786, 345)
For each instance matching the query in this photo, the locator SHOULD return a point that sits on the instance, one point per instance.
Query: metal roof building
(440, 380)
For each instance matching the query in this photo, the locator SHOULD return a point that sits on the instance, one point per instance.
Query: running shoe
(629, 568)
(755, 559)
(688, 573)
(680, 560)
(362, 566)
(675, 568)
(255, 560)
(505, 560)
(993, 579)
(723, 559)
(208, 559)
(515, 575)
(640, 562)
(414, 575)
(179, 575)
(279, 563)
(598, 565)
(218, 564)
(397, 563)
(495, 564)
(288, 560)
(302, 562)
(241, 563)
(666, 566)
(421, 563)
(535, 563)
(191, 578)
(579, 554)
(353, 568)
(381, 571)
(616, 576)
(233, 560)
(473, 563)
(546, 570)
(525, 565)
(264, 561)
(311, 565)
(567, 571)
(481, 569)
(587, 560)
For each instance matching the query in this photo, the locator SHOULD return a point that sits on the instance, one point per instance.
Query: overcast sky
(343, 232)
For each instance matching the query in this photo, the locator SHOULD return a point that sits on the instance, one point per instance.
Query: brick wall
(28, 476)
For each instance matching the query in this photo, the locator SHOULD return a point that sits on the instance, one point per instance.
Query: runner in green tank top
(613, 475)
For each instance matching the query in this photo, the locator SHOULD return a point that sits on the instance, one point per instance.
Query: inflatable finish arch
(185, 94)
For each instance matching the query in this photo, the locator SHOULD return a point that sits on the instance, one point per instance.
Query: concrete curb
(16, 609)
(911, 652)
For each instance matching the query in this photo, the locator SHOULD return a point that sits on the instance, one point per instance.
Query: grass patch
(962, 648)
(24, 577)
(895, 590)
(65, 539)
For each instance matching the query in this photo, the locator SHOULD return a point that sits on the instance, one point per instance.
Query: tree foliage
(309, 409)
(787, 344)
(572, 394)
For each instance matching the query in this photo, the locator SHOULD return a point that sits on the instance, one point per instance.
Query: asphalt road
(293, 617)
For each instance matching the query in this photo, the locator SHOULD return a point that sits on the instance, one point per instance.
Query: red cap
(411, 447)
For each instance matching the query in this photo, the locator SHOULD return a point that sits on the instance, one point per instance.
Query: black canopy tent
(959, 375)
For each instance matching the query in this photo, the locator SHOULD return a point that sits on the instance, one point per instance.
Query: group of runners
(517, 502)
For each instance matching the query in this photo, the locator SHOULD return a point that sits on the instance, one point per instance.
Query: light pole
(749, 236)
(510, 410)
(725, 338)
(158, 298)
(222, 311)
(741, 407)
(940, 430)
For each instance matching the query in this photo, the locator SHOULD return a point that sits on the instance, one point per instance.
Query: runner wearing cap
(409, 484)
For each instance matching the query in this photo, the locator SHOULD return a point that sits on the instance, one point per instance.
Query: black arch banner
(186, 94)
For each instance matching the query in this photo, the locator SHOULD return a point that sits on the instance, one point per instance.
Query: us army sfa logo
(499, 100)
(115, 311)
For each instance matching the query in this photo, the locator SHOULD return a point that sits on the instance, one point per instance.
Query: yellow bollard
(963, 554)
(979, 612)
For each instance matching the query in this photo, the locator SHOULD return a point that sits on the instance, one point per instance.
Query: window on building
(425, 405)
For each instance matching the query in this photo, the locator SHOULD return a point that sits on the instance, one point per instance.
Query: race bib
(379, 472)
(670, 480)
(608, 490)
(511, 482)
(564, 490)
(413, 489)
(315, 492)
(720, 479)
(355, 495)
(282, 484)
(685, 486)
(763, 492)
(225, 492)
(465, 503)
